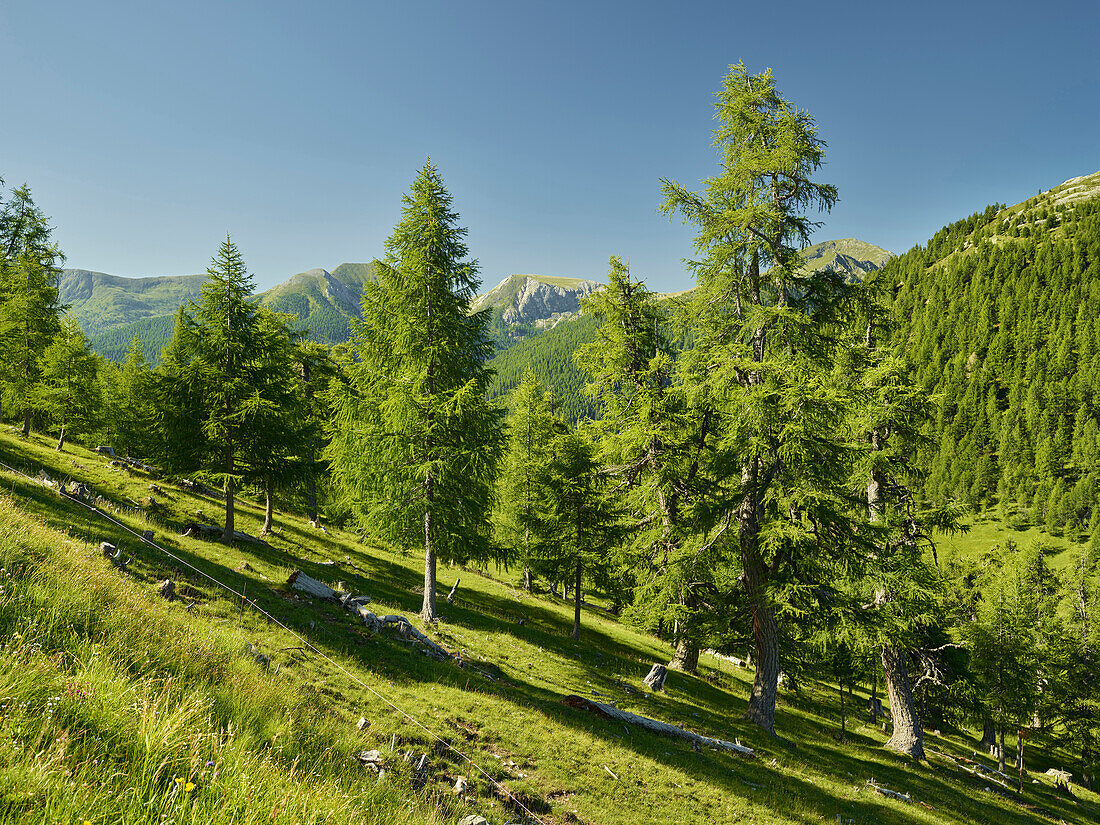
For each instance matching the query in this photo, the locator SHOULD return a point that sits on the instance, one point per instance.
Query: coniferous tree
(576, 519)
(762, 352)
(530, 432)
(29, 307)
(68, 393)
(209, 382)
(131, 409)
(647, 436)
(414, 440)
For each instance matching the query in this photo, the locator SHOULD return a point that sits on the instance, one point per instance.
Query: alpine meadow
(813, 537)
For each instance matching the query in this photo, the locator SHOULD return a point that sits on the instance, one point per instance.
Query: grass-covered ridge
(110, 694)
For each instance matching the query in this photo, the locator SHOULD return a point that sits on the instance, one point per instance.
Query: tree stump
(656, 677)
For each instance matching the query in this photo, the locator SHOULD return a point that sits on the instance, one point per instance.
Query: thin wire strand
(507, 794)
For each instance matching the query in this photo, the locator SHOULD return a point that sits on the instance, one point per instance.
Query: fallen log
(451, 595)
(664, 728)
(904, 797)
(300, 581)
(208, 532)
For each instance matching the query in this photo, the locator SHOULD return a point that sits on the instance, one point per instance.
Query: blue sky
(148, 130)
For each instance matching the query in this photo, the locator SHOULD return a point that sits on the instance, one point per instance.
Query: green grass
(110, 693)
(985, 530)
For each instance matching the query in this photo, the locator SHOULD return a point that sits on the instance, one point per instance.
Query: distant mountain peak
(536, 300)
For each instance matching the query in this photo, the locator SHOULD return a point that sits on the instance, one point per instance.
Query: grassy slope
(111, 673)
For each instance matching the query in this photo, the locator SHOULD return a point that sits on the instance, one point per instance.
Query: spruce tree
(415, 442)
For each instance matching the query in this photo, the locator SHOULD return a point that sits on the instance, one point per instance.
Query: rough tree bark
(989, 735)
(577, 603)
(908, 735)
(427, 612)
(227, 533)
(686, 655)
(269, 503)
(765, 629)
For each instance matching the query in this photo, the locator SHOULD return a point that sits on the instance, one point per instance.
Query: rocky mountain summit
(539, 301)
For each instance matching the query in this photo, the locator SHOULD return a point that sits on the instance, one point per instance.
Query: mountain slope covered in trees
(549, 353)
(1000, 316)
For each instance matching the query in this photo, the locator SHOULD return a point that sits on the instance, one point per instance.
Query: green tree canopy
(414, 441)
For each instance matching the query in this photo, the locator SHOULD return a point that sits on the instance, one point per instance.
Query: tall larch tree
(30, 263)
(530, 432)
(648, 437)
(215, 351)
(69, 392)
(415, 442)
(762, 359)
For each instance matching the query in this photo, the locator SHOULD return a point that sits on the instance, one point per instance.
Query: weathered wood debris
(358, 604)
(300, 581)
(904, 797)
(610, 712)
(656, 677)
(208, 532)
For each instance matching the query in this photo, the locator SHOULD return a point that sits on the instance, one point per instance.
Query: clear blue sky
(148, 130)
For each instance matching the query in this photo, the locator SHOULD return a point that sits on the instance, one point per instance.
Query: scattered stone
(461, 785)
(114, 555)
(260, 658)
(363, 724)
(167, 589)
(372, 757)
(473, 819)
(105, 450)
(147, 535)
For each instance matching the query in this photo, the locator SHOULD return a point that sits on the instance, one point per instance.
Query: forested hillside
(1000, 316)
(103, 302)
(549, 356)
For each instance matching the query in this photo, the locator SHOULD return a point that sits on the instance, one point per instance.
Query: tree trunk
(427, 612)
(843, 719)
(686, 656)
(908, 736)
(1001, 748)
(874, 692)
(227, 534)
(26, 423)
(527, 578)
(1020, 753)
(311, 489)
(61, 440)
(577, 604)
(989, 735)
(269, 503)
(765, 631)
